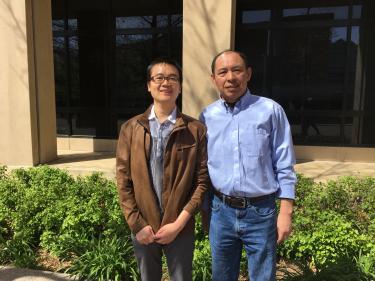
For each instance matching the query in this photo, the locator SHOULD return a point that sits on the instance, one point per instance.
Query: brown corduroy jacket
(185, 178)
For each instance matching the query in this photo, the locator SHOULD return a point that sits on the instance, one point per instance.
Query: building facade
(74, 70)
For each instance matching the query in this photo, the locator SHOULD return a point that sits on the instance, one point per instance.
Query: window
(313, 58)
(101, 52)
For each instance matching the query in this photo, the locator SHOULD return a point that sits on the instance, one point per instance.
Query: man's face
(231, 76)
(164, 91)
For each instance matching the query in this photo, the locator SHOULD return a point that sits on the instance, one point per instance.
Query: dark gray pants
(179, 254)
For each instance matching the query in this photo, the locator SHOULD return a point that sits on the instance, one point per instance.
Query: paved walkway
(18, 274)
(83, 163)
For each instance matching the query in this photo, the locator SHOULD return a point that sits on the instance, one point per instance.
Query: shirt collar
(171, 118)
(243, 101)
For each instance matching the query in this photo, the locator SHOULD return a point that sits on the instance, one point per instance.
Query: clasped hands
(165, 235)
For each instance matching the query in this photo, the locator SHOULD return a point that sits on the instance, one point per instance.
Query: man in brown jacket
(162, 177)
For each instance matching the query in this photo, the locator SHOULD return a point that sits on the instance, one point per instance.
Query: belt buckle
(243, 203)
(238, 202)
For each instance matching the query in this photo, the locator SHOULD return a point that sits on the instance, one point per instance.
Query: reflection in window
(72, 24)
(99, 72)
(255, 45)
(176, 20)
(142, 22)
(338, 13)
(357, 11)
(60, 69)
(338, 34)
(74, 69)
(256, 16)
(354, 69)
(327, 66)
(355, 35)
(84, 124)
(295, 12)
(328, 12)
(58, 25)
(133, 54)
(62, 122)
(316, 66)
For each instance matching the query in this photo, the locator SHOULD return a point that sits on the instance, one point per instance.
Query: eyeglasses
(159, 79)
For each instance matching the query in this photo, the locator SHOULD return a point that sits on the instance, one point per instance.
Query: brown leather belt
(241, 202)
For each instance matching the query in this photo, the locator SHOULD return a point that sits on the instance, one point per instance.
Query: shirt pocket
(254, 141)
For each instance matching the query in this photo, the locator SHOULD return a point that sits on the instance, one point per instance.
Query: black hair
(242, 55)
(165, 60)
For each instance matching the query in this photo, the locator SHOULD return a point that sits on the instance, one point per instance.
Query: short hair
(165, 60)
(242, 55)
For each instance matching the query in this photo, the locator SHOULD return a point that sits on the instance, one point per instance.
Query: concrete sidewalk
(8, 273)
(83, 163)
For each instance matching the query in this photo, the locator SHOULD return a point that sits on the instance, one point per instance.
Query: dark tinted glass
(255, 45)
(102, 49)
(334, 13)
(62, 122)
(312, 59)
(58, 25)
(142, 22)
(60, 69)
(133, 53)
(357, 12)
(256, 16)
(74, 70)
(326, 66)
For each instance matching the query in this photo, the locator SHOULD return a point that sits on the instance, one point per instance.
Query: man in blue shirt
(250, 162)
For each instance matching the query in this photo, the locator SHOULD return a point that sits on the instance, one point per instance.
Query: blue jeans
(255, 228)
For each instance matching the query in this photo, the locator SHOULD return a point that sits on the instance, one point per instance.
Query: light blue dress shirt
(160, 134)
(250, 148)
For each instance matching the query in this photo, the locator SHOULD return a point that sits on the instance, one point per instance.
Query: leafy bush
(72, 219)
(202, 261)
(332, 220)
(106, 259)
(79, 220)
(344, 269)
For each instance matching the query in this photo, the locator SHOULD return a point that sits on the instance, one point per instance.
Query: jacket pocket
(185, 146)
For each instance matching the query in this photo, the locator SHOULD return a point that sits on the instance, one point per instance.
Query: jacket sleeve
(202, 178)
(124, 181)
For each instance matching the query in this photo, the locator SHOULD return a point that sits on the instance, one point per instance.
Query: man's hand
(167, 233)
(284, 220)
(146, 235)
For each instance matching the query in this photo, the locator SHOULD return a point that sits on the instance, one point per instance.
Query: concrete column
(208, 28)
(27, 94)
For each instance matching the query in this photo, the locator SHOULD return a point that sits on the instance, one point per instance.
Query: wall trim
(86, 144)
(340, 154)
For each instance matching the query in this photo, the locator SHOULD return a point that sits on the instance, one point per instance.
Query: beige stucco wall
(208, 28)
(27, 103)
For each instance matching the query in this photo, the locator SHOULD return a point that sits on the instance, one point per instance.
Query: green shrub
(46, 208)
(331, 220)
(106, 259)
(322, 237)
(366, 264)
(79, 220)
(344, 269)
(202, 261)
